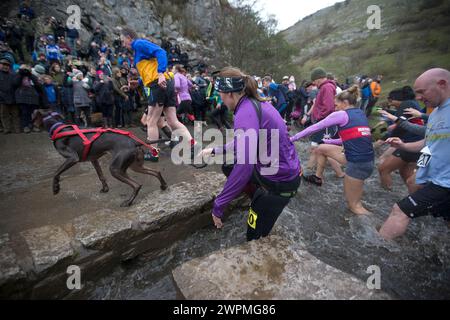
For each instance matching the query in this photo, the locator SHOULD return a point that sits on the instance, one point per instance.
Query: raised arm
(339, 118)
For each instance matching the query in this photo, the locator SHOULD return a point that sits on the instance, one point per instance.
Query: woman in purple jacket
(270, 178)
(182, 87)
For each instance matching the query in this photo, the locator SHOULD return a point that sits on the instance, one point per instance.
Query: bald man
(433, 175)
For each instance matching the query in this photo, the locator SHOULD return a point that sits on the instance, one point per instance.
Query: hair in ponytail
(251, 86)
(352, 95)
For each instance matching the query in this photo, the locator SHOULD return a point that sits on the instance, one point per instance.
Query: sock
(166, 130)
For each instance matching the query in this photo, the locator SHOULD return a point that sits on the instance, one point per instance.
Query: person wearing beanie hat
(317, 74)
(323, 107)
(38, 70)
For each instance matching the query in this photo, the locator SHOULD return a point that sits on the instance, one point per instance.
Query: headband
(229, 84)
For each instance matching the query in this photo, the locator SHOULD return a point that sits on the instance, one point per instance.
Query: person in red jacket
(323, 107)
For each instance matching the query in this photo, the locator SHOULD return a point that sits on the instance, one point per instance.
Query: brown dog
(126, 153)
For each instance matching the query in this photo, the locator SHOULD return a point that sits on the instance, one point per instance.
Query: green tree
(247, 41)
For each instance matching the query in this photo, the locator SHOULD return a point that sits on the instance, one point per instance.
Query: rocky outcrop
(189, 22)
(33, 264)
(271, 268)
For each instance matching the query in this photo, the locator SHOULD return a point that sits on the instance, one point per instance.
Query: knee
(152, 121)
(399, 215)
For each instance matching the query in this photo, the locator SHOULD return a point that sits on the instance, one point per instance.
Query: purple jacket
(182, 87)
(324, 101)
(284, 167)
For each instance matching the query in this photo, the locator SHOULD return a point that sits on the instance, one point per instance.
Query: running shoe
(149, 156)
(314, 180)
(191, 117)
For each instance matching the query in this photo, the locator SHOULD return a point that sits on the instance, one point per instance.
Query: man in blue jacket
(151, 63)
(278, 93)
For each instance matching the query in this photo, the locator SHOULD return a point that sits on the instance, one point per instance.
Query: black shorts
(406, 156)
(431, 200)
(159, 96)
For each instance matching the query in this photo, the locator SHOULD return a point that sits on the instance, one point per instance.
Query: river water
(417, 266)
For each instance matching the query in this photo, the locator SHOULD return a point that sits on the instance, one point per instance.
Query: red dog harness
(57, 134)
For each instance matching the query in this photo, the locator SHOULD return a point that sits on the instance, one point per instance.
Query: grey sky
(288, 12)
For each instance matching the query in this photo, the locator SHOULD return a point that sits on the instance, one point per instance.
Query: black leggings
(185, 107)
(219, 117)
(267, 204)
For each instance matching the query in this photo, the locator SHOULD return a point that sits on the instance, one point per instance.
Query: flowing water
(417, 266)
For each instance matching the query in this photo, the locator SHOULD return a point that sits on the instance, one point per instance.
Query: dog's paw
(105, 189)
(126, 204)
(56, 189)
(164, 187)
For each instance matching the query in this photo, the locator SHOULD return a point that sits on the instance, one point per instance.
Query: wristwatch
(401, 119)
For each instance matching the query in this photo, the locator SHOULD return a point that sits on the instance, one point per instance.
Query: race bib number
(252, 217)
(425, 158)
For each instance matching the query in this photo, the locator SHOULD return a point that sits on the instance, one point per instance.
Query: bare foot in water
(361, 211)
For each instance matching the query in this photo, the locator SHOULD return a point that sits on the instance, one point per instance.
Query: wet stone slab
(271, 268)
(10, 270)
(48, 245)
(160, 208)
(104, 229)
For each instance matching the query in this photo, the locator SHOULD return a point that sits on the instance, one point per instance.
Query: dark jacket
(117, 85)
(6, 88)
(67, 96)
(31, 94)
(400, 132)
(72, 33)
(104, 93)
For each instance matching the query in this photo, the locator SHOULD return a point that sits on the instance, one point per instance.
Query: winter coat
(28, 90)
(6, 88)
(57, 93)
(80, 95)
(104, 93)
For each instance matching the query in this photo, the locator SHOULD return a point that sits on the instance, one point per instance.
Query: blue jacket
(149, 59)
(53, 52)
(366, 93)
(277, 91)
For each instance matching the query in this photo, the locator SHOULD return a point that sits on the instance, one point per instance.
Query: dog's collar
(54, 127)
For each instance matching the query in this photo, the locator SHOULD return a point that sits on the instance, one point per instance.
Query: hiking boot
(26, 130)
(148, 156)
(314, 180)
